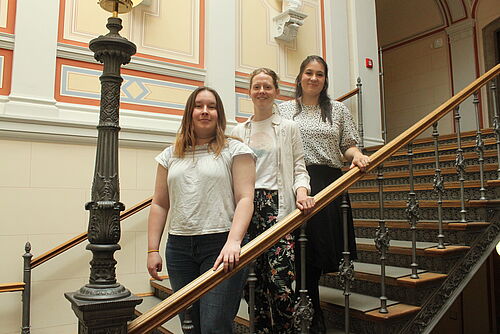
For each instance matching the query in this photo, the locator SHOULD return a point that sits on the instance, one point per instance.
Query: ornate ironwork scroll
(496, 120)
(479, 147)
(460, 165)
(382, 240)
(438, 186)
(303, 313)
(412, 212)
(346, 267)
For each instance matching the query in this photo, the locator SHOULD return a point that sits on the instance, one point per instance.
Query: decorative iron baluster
(303, 313)
(187, 324)
(361, 131)
(496, 121)
(26, 296)
(479, 147)
(460, 165)
(412, 212)
(382, 240)
(252, 279)
(346, 267)
(438, 186)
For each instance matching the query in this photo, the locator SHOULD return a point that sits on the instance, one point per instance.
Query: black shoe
(318, 323)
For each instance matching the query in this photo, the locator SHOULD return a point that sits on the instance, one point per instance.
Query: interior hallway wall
(44, 186)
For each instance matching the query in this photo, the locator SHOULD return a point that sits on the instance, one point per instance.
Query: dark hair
(186, 137)
(324, 99)
(267, 71)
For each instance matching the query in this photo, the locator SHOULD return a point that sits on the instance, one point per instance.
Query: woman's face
(262, 91)
(205, 114)
(313, 79)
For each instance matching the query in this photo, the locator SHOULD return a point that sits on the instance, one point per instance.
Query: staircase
(409, 300)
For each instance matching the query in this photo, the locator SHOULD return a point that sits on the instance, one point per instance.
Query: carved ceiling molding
(456, 10)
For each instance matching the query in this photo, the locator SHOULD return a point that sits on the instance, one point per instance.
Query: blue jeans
(190, 256)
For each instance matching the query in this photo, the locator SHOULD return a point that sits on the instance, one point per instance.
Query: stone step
(446, 138)
(454, 234)
(423, 191)
(470, 169)
(363, 311)
(476, 210)
(468, 145)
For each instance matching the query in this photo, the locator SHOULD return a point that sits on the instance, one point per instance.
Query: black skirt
(325, 230)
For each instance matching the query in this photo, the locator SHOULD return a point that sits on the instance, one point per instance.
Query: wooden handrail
(11, 287)
(194, 290)
(347, 95)
(83, 236)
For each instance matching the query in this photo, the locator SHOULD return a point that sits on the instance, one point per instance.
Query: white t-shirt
(263, 143)
(200, 188)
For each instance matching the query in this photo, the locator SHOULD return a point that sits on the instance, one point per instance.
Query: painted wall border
(11, 17)
(200, 65)
(94, 101)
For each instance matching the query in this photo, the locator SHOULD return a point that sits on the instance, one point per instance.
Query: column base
(103, 316)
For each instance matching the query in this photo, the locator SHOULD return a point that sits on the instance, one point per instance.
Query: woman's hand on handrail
(229, 255)
(304, 202)
(357, 158)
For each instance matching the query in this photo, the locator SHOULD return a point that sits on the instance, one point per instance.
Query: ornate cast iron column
(346, 266)
(104, 305)
(303, 313)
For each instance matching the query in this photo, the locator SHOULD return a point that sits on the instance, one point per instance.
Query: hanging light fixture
(118, 6)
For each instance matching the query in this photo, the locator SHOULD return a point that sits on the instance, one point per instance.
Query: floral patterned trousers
(274, 269)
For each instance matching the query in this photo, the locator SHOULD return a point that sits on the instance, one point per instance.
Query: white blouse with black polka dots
(324, 143)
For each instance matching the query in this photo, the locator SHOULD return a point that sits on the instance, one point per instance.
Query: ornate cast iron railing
(181, 299)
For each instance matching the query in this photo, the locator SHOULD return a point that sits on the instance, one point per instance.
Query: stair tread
(358, 302)
(426, 224)
(398, 243)
(423, 204)
(390, 271)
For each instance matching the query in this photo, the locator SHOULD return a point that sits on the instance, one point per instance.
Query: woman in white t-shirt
(204, 194)
(281, 185)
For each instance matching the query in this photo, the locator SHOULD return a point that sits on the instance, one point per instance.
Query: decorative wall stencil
(79, 83)
(256, 46)
(158, 31)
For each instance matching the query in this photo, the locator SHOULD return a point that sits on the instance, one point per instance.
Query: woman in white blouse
(329, 136)
(282, 184)
(204, 185)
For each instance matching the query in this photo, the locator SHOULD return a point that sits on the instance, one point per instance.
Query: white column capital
(460, 30)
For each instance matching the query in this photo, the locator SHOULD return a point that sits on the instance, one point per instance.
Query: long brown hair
(186, 138)
(324, 99)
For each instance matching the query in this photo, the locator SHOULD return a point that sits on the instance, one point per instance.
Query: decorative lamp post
(104, 305)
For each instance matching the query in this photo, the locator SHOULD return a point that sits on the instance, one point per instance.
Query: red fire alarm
(368, 63)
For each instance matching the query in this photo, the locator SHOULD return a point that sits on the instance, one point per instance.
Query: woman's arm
(301, 177)
(354, 155)
(156, 221)
(243, 171)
